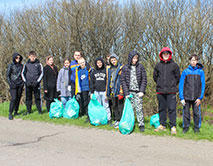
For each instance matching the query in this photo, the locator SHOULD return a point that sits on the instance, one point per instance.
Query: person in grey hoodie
(63, 87)
(16, 83)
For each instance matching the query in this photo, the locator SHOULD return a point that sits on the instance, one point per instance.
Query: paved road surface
(26, 143)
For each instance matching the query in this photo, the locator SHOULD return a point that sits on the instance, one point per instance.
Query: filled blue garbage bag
(154, 121)
(127, 121)
(56, 109)
(97, 113)
(71, 109)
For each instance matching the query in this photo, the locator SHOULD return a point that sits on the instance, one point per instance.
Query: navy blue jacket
(192, 83)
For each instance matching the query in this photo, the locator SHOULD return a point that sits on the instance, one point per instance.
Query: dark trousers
(167, 101)
(196, 115)
(15, 94)
(117, 108)
(48, 102)
(83, 102)
(37, 94)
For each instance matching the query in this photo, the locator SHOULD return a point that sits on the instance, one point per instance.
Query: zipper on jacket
(165, 76)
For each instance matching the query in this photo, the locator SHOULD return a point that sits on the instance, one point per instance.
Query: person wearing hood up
(166, 75)
(16, 83)
(32, 74)
(98, 85)
(114, 90)
(49, 81)
(191, 92)
(134, 81)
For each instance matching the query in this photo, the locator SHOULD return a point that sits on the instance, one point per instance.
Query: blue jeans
(65, 99)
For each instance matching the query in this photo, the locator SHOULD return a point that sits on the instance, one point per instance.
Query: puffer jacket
(140, 74)
(14, 72)
(192, 83)
(166, 74)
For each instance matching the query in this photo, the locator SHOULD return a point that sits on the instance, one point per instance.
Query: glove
(183, 102)
(120, 97)
(69, 88)
(140, 94)
(127, 96)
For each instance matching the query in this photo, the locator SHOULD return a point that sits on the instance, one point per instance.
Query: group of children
(111, 83)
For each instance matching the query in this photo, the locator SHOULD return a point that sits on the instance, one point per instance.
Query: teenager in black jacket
(98, 85)
(32, 74)
(49, 81)
(134, 81)
(166, 75)
(16, 83)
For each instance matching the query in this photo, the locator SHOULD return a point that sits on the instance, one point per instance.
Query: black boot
(10, 117)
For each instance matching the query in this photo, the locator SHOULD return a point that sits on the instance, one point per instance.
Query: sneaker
(141, 128)
(40, 112)
(116, 124)
(173, 130)
(185, 130)
(160, 128)
(10, 117)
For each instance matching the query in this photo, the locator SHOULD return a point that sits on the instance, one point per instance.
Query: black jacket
(166, 74)
(140, 74)
(49, 82)
(14, 72)
(98, 78)
(32, 73)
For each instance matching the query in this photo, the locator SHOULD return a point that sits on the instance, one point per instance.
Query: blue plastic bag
(97, 113)
(127, 121)
(71, 109)
(56, 109)
(154, 121)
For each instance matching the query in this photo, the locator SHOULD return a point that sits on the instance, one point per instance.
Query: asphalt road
(27, 143)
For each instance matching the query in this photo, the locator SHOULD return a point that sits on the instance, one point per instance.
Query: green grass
(206, 131)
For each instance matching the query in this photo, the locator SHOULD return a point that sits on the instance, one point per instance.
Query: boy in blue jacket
(191, 91)
(81, 86)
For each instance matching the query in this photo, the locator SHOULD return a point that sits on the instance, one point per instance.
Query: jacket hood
(131, 55)
(113, 56)
(99, 59)
(198, 66)
(165, 49)
(14, 57)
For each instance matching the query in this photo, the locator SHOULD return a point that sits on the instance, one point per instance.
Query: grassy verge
(206, 131)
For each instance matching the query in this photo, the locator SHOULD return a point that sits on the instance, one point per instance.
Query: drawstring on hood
(168, 50)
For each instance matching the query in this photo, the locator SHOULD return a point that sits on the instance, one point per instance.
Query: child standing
(134, 81)
(16, 83)
(98, 85)
(63, 87)
(49, 81)
(191, 90)
(32, 74)
(113, 89)
(81, 88)
(166, 75)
